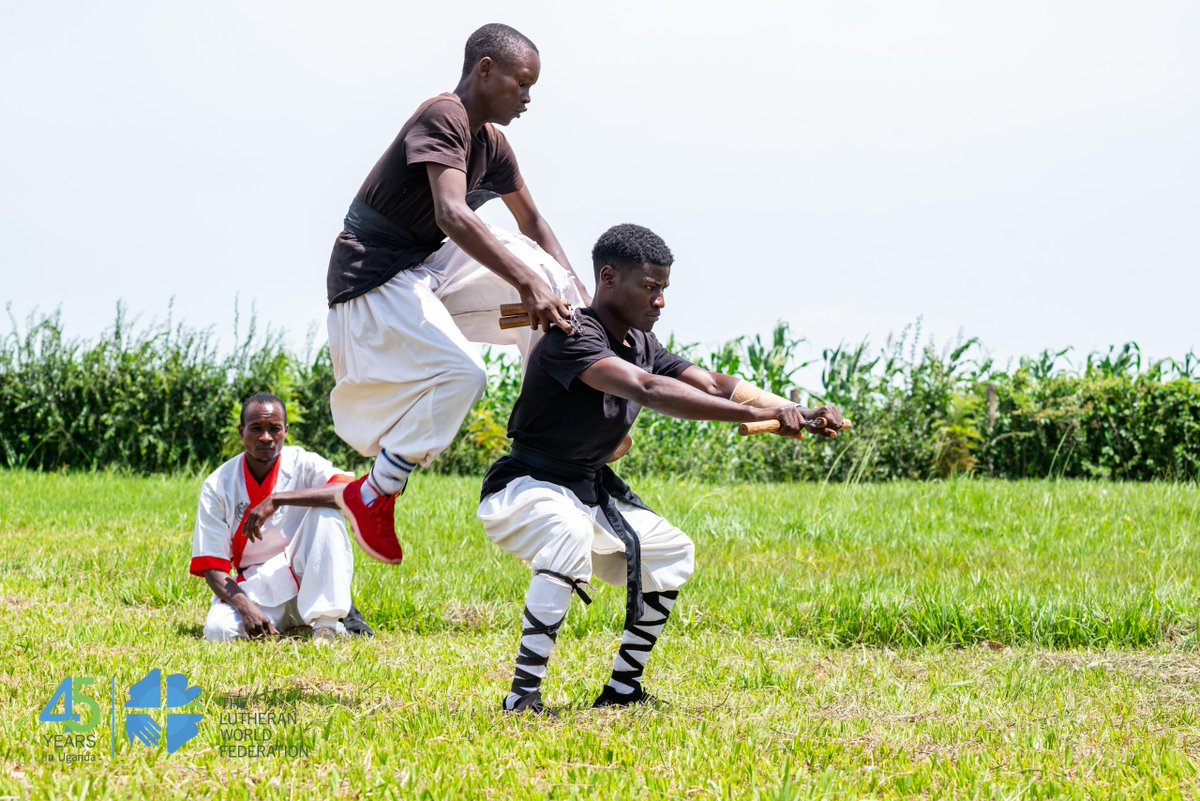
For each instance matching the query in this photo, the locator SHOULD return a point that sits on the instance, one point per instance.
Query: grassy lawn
(967, 639)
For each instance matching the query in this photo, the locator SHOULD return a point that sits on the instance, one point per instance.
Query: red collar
(258, 493)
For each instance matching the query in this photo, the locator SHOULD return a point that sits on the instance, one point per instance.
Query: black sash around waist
(369, 252)
(373, 228)
(567, 472)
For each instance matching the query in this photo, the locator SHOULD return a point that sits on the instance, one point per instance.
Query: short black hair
(502, 43)
(627, 245)
(262, 397)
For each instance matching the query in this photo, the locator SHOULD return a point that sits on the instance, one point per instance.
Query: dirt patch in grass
(476, 616)
(1171, 668)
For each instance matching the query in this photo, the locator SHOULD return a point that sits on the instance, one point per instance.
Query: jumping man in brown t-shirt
(405, 302)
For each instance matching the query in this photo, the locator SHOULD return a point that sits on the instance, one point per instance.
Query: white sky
(1024, 171)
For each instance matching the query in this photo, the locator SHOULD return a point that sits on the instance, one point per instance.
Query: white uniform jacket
(228, 494)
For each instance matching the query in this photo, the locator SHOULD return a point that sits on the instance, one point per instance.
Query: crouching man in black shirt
(554, 503)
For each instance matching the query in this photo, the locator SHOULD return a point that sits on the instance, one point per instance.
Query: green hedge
(162, 398)
(155, 400)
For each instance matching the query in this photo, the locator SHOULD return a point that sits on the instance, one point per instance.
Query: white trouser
(406, 372)
(549, 528)
(309, 581)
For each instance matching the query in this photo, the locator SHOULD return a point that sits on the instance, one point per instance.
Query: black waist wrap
(369, 252)
(606, 488)
(373, 228)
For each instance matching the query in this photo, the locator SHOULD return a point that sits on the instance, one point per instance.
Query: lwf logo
(147, 694)
(81, 715)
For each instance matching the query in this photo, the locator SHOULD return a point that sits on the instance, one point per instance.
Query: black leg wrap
(654, 600)
(576, 585)
(538, 627)
(638, 653)
(524, 681)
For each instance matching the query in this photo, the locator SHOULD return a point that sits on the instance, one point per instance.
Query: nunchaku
(814, 424)
(514, 315)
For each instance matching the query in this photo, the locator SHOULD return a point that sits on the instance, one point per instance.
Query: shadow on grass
(193, 630)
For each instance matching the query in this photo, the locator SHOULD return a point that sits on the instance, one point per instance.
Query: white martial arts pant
(549, 528)
(406, 372)
(309, 581)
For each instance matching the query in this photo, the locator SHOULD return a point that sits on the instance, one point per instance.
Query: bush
(163, 399)
(157, 400)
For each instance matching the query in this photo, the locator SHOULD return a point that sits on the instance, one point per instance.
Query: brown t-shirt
(398, 188)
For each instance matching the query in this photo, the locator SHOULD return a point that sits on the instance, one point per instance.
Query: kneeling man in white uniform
(271, 515)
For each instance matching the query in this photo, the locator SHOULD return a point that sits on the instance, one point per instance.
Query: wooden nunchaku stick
(749, 395)
(513, 315)
(813, 425)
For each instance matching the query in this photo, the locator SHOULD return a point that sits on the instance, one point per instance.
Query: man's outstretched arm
(677, 398)
(461, 224)
(745, 393)
(708, 382)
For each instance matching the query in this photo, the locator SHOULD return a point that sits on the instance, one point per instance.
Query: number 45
(68, 717)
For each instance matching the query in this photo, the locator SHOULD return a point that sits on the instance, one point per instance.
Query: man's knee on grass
(222, 624)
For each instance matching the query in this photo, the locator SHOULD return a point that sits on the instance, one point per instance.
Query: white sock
(638, 640)
(546, 606)
(389, 476)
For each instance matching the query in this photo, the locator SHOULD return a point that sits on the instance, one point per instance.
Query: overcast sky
(1024, 171)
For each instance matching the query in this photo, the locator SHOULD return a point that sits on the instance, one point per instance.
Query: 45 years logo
(145, 711)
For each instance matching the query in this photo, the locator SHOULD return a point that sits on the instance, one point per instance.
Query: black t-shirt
(559, 414)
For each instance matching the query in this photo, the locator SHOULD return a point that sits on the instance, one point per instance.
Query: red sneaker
(374, 526)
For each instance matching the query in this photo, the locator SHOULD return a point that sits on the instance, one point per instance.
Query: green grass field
(963, 639)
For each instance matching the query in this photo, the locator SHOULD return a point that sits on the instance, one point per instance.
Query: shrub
(163, 399)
